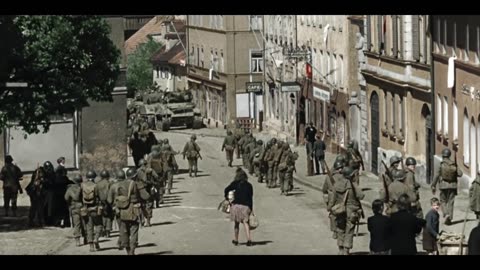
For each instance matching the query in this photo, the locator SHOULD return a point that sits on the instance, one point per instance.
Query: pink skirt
(239, 213)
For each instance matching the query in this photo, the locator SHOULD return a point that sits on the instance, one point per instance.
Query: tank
(177, 109)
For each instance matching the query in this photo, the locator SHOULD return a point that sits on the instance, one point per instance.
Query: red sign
(309, 71)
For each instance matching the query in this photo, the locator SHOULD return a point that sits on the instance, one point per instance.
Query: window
(402, 117)
(438, 40)
(327, 68)
(466, 138)
(308, 20)
(416, 35)
(169, 73)
(454, 47)
(385, 110)
(335, 71)
(220, 21)
(473, 147)
(320, 65)
(444, 51)
(202, 58)
(455, 121)
(467, 43)
(256, 62)
(216, 61)
(158, 70)
(394, 114)
(163, 73)
(212, 59)
(445, 116)
(256, 22)
(198, 57)
(477, 53)
(222, 67)
(340, 71)
(439, 113)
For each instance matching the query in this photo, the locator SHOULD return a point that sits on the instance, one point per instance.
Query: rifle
(360, 204)
(330, 176)
(387, 199)
(387, 171)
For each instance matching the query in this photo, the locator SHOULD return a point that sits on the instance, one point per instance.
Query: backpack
(448, 172)
(88, 194)
(122, 201)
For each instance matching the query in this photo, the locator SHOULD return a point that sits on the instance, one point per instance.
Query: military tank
(177, 109)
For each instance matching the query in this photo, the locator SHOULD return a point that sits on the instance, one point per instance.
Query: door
(375, 131)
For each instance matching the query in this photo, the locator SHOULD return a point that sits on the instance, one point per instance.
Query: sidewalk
(369, 182)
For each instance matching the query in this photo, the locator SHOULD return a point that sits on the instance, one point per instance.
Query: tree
(65, 60)
(139, 67)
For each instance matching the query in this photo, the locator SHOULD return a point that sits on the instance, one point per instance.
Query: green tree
(65, 60)
(139, 66)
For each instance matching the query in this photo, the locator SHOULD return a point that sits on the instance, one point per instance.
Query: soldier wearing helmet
(354, 160)
(92, 210)
(328, 193)
(148, 177)
(447, 178)
(166, 146)
(119, 177)
(348, 193)
(410, 164)
(229, 144)
(248, 154)
(191, 150)
(74, 201)
(398, 188)
(256, 158)
(103, 187)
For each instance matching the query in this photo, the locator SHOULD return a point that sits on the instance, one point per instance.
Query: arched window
(466, 138)
(341, 129)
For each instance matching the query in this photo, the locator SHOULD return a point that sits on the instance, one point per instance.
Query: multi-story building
(398, 91)
(456, 106)
(224, 53)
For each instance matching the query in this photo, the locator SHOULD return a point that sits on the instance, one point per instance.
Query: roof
(154, 26)
(173, 56)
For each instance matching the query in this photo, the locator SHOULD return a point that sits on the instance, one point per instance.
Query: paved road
(189, 222)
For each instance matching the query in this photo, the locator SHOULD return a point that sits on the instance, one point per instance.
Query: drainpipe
(432, 85)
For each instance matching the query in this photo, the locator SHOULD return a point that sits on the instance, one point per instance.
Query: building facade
(224, 53)
(456, 60)
(398, 88)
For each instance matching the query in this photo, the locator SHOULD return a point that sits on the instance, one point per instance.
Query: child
(379, 228)
(431, 230)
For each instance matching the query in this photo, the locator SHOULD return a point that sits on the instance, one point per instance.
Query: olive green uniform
(229, 144)
(416, 208)
(446, 176)
(74, 200)
(92, 219)
(192, 152)
(103, 187)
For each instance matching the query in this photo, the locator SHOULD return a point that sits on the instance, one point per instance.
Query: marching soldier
(166, 146)
(276, 162)
(248, 153)
(396, 189)
(112, 193)
(354, 160)
(169, 165)
(282, 169)
(91, 211)
(474, 193)
(192, 152)
(103, 187)
(269, 160)
(11, 175)
(255, 157)
(238, 136)
(291, 159)
(156, 163)
(328, 193)
(73, 197)
(447, 175)
(416, 208)
(147, 176)
(262, 163)
(243, 144)
(349, 194)
(229, 144)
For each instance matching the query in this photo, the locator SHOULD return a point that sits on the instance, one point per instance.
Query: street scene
(152, 135)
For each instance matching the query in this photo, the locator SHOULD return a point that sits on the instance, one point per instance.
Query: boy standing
(431, 230)
(379, 228)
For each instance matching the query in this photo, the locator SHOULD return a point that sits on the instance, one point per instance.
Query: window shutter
(394, 36)
(415, 38)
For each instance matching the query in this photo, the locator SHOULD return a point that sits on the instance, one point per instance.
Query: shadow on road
(202, 175)
(366, 189)
(460, 221)
(170, 205)
(162, 223)
(257, 243)
(296, 194)
(18, 223)
(185, 171)
(158, 253)
(180, 192)
(147, 245)
(360, 253)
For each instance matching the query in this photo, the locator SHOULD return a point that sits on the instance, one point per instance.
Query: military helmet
(410, 161)
(104, 174)
(260, 142)
(120, 174)
(165, 141)
(91, 174)
(193, 137)
(131, 172)
(446, 153)
(340, 158)
(47, 164)
(347, 172)
(77, 178)
(142, 162)
(350, 144)
(274, 140)
(338, 165)
(229, 132)
(398, 175)
(394, 160)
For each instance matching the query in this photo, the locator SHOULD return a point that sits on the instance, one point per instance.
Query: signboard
(296, 53)
(291, 87)
(321, 94)
(254, 87)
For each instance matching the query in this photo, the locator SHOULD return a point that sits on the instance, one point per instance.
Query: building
(169, 63)
(456, 92)
(398, 91)
(224, 53)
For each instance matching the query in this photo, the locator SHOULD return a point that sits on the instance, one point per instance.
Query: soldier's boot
(334, 236)
(85, 242)
(157, 204)
(92, 247)
(132, 251)
(168, 191)
(77, 241)
(147, 224)
(97, 246)
(128, 250)
(107, 234)
(346, 251)
(340, 250)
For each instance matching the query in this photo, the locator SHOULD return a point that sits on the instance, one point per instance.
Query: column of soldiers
(273, 162)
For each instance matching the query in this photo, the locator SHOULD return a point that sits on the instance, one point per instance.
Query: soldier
(396, 189)
(229, 144)
(138, 148)
(292, 158)
(36, 191)
(262, 164)
(112, 193)
(348, 193)
(249, 152)
(127, 198)
(474, 194)
(92, 210)
(416, 208)
(341, 158)
(11, 175)
(276, 162)
(282, 168)
(166, 146)
(103, 187)
(146, 206)
(328, 193)
(254, 157)
(169, 165)
(73, 197)
(238, 135)
(269, 159)
(447, 175)
(242, 144)
(192, 152)
(354, 160)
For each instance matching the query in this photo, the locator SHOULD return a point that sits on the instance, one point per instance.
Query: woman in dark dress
(242, 204)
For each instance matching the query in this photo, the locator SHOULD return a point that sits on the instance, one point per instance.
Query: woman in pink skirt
(242, 204)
